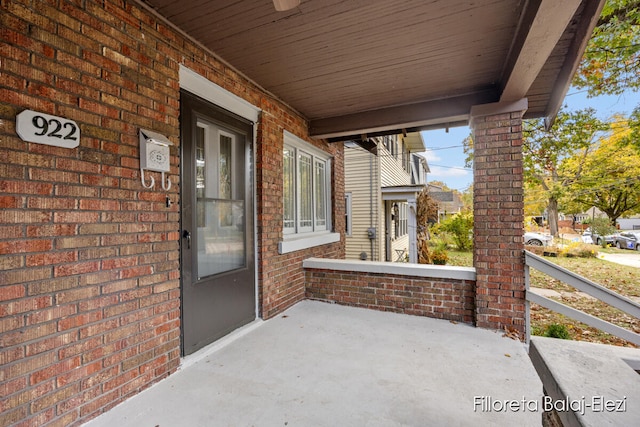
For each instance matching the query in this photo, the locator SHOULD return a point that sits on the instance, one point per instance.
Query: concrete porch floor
(320, 364)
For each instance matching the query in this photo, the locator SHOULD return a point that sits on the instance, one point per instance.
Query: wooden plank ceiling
(375, 66)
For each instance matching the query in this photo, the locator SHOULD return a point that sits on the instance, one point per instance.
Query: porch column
(412, 226)
(498, 205)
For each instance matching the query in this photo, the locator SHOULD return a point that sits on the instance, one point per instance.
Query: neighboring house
(632, 223)
(449, 202)
(380, 193)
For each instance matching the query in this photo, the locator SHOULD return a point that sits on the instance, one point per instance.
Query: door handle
(187, 235)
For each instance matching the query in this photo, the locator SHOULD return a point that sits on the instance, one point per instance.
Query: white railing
(585, 285)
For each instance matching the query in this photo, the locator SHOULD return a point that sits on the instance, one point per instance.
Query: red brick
(76, 268)
(25, 246)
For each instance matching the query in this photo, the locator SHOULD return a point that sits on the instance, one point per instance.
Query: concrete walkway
(328, 365)
(631, 259)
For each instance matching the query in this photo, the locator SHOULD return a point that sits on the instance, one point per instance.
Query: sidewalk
(631, 259)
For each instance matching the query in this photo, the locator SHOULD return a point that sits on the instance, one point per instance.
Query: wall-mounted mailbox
(154, 156)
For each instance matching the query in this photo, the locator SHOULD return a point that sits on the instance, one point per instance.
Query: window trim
(348, 201)
(292, 238)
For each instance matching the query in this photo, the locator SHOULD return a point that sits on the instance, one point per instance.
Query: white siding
(362, 181)
(365, 175)
(391, 171)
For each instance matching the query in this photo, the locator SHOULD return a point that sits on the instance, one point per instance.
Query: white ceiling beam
(420, 115)
(537, 38)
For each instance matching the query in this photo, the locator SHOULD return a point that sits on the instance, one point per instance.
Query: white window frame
(348, 200)
(301, 236)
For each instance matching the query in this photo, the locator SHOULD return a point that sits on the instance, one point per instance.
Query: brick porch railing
(442, 292)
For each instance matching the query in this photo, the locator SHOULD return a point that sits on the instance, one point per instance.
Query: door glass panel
(225, 166)
(200, 174)
(220, 211)
(221, 243)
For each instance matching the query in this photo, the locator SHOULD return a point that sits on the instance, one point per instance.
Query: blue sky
(444, 149)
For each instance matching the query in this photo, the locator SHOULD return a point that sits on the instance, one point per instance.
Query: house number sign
(42, 128)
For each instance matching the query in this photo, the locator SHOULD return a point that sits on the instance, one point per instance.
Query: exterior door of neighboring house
(217, 245)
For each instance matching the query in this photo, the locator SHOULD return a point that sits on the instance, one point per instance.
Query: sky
(444, 149)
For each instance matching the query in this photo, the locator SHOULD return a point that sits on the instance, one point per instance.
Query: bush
(557, 331)
(439, 256)
(578, 250)
(460, 226)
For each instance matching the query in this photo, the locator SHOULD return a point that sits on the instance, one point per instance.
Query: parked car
(596, 239)
(627, 240)
(586, 238)
(537, 239)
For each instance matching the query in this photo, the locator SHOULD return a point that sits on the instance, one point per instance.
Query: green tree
(611, 63)
(545, 150)
(634, 127)
(609, 177)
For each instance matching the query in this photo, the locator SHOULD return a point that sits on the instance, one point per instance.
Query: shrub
(460, 226)
(439, 257)
(578, 250)
(557, 331)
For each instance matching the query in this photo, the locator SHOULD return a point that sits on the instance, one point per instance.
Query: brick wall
(89, 259)
(438, 298)
(499, 216)
(282, 282)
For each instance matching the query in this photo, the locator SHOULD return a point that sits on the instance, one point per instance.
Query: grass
(619, 278)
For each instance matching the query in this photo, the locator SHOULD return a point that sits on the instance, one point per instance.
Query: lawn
(621, 279)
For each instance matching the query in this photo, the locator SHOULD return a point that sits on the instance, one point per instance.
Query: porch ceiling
(371, 66)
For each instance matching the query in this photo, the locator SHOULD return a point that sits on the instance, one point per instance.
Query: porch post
(498, 205)
(412, 225)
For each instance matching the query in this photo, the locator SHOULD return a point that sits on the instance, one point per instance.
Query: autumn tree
(546, 149)
(609, 176)
(611, 62)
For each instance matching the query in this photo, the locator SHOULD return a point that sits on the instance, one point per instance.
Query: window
(404, 230)
(406, 158)
(391, 144)
(347, 213)
(306, 188)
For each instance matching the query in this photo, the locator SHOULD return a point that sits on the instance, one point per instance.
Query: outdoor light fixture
(282, 5)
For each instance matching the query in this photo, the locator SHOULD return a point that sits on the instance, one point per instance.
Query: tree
(634, 127)
(535, 199)
(611, 63)
(544, 151)
(609, 177)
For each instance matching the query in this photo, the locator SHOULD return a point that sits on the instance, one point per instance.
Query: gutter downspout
(371, 224)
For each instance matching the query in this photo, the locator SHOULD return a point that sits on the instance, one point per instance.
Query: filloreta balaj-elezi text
(547, 404)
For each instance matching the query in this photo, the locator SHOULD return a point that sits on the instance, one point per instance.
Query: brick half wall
(421, 290)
